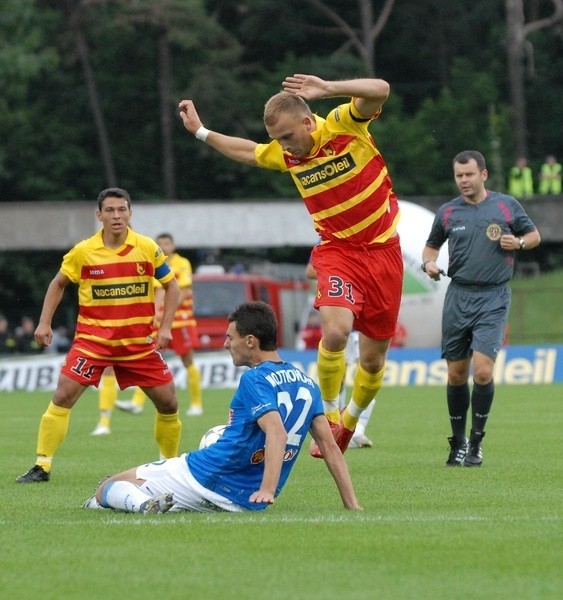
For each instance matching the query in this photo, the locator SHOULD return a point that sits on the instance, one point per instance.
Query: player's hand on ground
(261, 496)
(189, 116)
(308, 87)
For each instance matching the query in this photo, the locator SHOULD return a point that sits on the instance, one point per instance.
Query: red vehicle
(216, 295)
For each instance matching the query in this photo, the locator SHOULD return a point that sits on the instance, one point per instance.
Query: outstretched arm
(235, 148)
(369, 94)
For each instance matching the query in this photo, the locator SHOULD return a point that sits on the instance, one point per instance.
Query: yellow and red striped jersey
(343, 181)
(182, 269)
(116, 294)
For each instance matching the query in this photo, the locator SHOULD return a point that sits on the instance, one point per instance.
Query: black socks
(481, 401)
(458, 404)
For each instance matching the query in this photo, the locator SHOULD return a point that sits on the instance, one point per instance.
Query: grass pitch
(426, 531)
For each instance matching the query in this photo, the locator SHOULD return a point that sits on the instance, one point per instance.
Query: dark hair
(113, 192)
(257, 319)
(168, 236)
(467, 155)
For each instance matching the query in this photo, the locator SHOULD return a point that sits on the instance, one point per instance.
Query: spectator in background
(7, 338)
(520, 179)
(550, 176)
(25, 337)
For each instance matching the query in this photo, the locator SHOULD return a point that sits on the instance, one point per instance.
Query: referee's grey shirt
(473, 232)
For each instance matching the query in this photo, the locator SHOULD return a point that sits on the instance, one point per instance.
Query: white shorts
(173, 475)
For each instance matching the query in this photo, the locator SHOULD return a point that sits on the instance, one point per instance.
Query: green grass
(426, 531)
(535, 313)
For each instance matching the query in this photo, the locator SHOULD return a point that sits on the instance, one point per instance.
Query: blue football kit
(233, 467)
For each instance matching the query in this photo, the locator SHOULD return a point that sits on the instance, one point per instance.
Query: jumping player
(343, 179)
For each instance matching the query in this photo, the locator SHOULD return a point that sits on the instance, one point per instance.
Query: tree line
(90, 88)
(89, 94)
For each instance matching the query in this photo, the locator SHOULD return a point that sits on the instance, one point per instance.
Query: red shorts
(184, 339)
(148, 371)
(368, 281)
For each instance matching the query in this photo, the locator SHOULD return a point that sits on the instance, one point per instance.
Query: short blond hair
(285, 103)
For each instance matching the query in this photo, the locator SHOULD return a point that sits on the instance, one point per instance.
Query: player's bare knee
(372, 365)
(335, 338)
(164, 398)
(64, 399)
(455, 378)
(101, 486)
(167, 405)
(483, 370)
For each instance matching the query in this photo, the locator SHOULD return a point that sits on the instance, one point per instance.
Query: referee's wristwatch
(522, 244)
(423, 265)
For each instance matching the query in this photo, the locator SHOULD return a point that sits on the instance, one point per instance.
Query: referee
(484, 229)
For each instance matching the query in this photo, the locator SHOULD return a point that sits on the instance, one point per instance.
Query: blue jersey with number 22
(233, 466)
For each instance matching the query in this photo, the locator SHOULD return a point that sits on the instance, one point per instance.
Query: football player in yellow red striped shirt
(115, 271)
(184, 330)
(343, 180)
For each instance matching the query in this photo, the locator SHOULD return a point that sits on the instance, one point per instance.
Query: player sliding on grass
(272, 411)
(343, 179)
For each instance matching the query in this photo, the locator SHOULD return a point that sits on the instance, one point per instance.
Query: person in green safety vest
(520, 179)
(550, 176)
